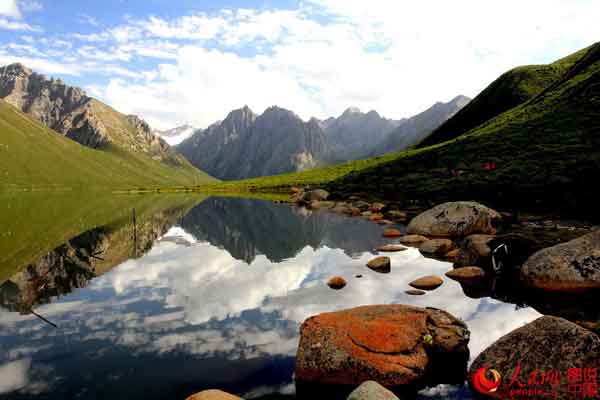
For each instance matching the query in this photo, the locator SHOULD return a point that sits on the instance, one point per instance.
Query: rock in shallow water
(466, 274)
(395, 345)
(415, 292)
(391, 248)
(371, 390)
(431, 282)
(455, 219)
(568, 267)
(380, 264)
(337, 282)
(413, 239)
(544, 345)
(392, 233)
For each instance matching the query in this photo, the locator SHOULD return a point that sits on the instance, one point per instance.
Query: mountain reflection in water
(210, 296)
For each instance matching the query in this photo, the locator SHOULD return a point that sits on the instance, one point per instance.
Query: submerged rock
(544, 345)
(380, 264)
(466, 274)
(568, 267)
(397, 215)
(396, 345)
(371, 390)
(213, 395)
(455, 219)
(436, 246)
(430, 282)
(337, 282)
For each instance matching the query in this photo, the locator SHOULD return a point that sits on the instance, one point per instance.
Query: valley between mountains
(529, 139)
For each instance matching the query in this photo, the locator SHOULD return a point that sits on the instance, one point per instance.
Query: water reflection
(214, 299)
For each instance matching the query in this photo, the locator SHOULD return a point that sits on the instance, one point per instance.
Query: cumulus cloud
(321, 56)
(9, 8)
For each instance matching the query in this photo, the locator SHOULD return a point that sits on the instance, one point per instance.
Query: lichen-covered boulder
(567, 267)
(544, 345)
(395, 345)
(455, 219)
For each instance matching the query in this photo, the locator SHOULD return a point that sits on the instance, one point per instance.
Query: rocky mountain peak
(16, 69)
(69, 111)
(351, 111)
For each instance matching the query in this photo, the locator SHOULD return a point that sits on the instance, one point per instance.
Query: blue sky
(184, 61)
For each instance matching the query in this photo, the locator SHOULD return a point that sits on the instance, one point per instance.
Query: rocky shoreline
(386, 351)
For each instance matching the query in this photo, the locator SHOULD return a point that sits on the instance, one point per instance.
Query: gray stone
(371, 390)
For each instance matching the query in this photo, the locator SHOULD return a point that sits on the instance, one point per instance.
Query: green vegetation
(35, 157)
(546, 151)
(508, 91)
(278, 183)
(33, 224)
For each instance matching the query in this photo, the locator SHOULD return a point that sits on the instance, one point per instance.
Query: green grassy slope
(509, 90)
(33, 156)
(547, 152)
(312, 177)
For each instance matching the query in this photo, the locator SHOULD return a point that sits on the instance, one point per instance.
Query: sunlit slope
(32, 155)
(546, 152)
(509, 90)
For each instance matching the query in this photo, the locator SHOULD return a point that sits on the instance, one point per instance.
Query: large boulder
(545, 345)
(455, 219)
(371, 390)
(395, 345)
(213, 395)
(567, 267)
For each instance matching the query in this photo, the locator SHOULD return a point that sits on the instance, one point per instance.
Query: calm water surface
(200, 294)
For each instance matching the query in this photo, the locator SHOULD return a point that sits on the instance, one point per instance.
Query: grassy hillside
(33, 156)
(509, 90)
(546, 150)
(313, 177)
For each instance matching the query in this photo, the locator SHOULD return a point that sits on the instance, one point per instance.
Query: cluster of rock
(373, 347)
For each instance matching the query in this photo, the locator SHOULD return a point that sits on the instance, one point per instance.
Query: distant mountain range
(246, 145)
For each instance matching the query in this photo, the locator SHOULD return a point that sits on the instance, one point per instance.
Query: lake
(156, 297)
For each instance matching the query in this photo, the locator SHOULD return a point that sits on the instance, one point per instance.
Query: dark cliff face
(245, 145)
(69, 111)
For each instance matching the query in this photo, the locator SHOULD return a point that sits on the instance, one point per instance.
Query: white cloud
(324, 55)
(13, 25)
(9, 8)
(13, 375)
(31, 5)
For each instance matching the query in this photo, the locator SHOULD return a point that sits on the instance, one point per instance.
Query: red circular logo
(482, 384)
